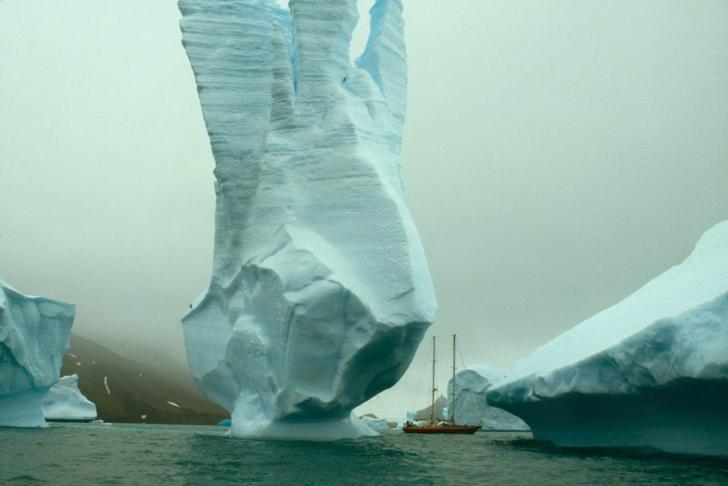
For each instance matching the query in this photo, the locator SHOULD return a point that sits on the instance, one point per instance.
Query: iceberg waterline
(650, 371)
(320, 292)
(34, 335)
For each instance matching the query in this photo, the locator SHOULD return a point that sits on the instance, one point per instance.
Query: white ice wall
(320, 292)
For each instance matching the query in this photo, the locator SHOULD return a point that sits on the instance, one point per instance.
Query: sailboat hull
(441, 429)
(445, 427)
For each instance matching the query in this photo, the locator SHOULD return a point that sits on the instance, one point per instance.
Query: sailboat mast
(452, 404)
(432, 408)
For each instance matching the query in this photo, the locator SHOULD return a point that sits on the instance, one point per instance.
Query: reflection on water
(127, 454)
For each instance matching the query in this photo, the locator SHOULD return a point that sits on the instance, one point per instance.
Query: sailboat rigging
(444, 427)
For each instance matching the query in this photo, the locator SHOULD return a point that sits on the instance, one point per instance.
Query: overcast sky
(558, 155)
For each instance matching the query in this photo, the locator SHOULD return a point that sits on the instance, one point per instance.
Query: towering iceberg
(320, 291)
(34, 334)
(471, 406)
(65, 401)
(650, 371)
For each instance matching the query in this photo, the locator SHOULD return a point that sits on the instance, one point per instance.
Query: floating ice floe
(471, 406)
(650, 371)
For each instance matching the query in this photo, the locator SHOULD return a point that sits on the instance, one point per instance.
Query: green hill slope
(128, 391)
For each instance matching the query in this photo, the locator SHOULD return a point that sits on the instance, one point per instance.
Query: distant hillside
(136, 390)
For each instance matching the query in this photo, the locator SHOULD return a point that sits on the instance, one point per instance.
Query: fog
(557, 154)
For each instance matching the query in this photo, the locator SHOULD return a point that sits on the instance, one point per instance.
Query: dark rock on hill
(128, 391)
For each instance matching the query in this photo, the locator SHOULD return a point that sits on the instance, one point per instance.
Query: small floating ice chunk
(377, 424)
(65, 401)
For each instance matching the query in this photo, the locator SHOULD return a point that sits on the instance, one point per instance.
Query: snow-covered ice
(471, 406)
(320, 291)
(34, 335)
(650, 371)
(65, 401)
(376, 424)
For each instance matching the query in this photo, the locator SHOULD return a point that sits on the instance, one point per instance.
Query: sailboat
(433, 426)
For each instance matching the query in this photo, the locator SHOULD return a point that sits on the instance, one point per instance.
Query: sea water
(171, 455)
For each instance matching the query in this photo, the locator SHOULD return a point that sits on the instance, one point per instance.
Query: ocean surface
(170, 455)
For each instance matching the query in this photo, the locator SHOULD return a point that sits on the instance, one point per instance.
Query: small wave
(26, 477)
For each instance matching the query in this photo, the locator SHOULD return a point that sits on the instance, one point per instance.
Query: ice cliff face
(65, 401)
(34, 334)
(650, 371)
(320, 291)
(471, 406)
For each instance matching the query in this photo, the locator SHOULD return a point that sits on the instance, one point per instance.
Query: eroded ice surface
(65, 401)
(320, 291)
(650, 371)
(471, 406)
(34, 335)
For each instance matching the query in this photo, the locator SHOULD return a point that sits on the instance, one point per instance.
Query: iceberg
(34, 335)
(65, 402)
(376, 424)
(471, 406)
(426, 413)
(320, 291)
(651, 371)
